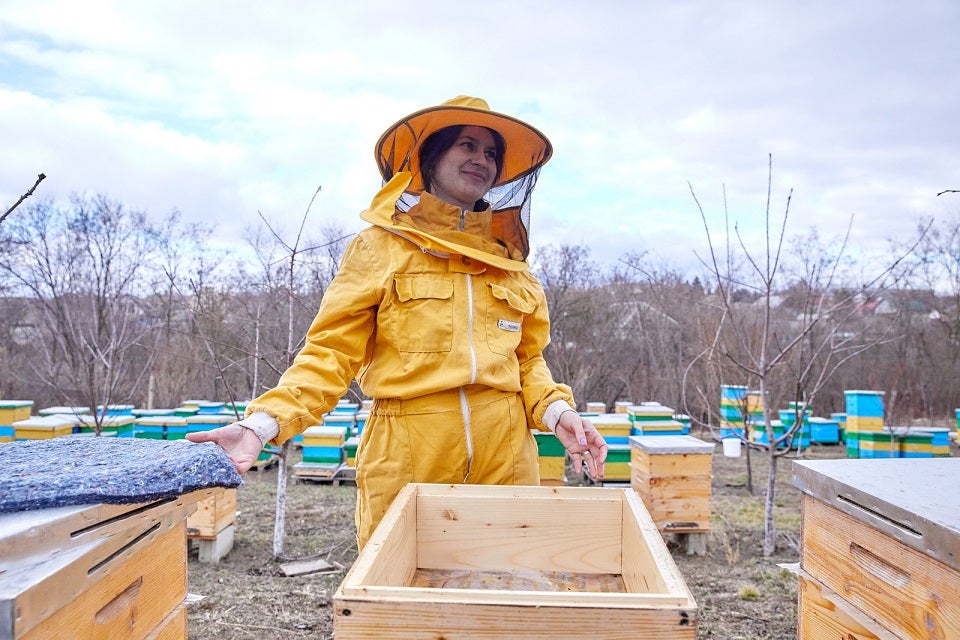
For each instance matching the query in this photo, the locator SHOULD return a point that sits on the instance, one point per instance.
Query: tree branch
(40, 178)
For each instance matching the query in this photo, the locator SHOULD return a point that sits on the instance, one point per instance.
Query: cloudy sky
(223, 109)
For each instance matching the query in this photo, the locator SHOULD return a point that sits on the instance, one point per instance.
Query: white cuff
(552, 415)
(262, 424)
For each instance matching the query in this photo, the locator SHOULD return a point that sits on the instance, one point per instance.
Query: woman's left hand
(583, 442)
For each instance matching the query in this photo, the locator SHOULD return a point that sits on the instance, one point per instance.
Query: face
(465, 172)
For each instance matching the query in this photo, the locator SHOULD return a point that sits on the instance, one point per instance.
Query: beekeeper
(435, 313)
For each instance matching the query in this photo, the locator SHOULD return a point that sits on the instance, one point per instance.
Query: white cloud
(223, 109)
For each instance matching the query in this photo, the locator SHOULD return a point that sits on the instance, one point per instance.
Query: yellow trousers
(474, 434)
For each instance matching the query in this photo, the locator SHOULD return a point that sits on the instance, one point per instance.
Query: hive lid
(909, 499)
(15, 404)
(671, 444)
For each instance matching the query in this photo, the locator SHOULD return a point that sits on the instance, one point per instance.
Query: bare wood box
(213, 514)
(472, 561)
(95, 571)
(884, 536)
(672, 475)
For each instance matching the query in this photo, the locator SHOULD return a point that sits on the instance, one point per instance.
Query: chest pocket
(422, 320)
(505, 315)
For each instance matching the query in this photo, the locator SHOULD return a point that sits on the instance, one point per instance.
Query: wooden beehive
(672, 475)
(881, 539)
(213, 514)
(211, 527)
(474, 561)
(96, 571)
(14, 410)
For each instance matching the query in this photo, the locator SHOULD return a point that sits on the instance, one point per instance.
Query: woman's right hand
(241, 443)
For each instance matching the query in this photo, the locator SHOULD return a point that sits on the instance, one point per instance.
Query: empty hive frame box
(880, 555)
(475, 561)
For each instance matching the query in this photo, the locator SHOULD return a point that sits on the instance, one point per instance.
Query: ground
(741, 594)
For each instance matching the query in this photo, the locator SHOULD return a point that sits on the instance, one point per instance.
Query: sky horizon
(224, 111)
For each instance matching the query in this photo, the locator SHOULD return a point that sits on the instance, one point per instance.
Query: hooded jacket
(426, 300)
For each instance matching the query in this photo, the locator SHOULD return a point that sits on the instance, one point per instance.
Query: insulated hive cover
(39, 474)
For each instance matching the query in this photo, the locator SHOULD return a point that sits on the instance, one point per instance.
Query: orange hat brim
(398, 148)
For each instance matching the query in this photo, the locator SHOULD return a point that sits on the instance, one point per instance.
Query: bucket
(731, 447)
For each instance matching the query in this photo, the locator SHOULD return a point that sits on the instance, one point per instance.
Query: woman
(435, 313)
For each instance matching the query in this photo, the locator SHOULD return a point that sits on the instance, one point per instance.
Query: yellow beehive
(43, 427)
(614, 427)
(324, 436)
(552, 458)
(14, 411)
(861, 423)
(552, 470)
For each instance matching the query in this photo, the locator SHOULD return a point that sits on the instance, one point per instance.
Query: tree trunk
(280, 520)
(769, 529)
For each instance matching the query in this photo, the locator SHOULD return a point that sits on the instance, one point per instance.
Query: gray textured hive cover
(38, 474)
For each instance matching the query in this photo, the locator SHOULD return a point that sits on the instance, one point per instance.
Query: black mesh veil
(510, 204)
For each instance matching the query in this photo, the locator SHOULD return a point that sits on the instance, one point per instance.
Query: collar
(434, 226)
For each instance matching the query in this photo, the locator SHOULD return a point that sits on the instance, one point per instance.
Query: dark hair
(440, 140)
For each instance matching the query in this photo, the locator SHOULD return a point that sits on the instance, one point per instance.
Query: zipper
(465, 410)
(464, 404)
(463, 215)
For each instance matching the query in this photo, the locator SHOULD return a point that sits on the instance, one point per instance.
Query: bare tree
(83, 266)
(785, 355)
(570, 281)
(292, 287)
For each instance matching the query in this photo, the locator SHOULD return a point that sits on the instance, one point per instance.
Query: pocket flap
(512, 299)
(420, 287)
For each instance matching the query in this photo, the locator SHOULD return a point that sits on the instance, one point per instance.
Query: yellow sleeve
(537, 385)
(335, 347)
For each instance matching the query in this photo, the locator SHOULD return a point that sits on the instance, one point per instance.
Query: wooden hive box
(324, 444)
(14, 410)
(551, 459)
(213, 514)
(614, 427)
(475, 561)
(43, 427)
(350, 449)
(881, 540)
(672, 476)
(121, 426)
(169, 427)
(96, 571)
(617, 466)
